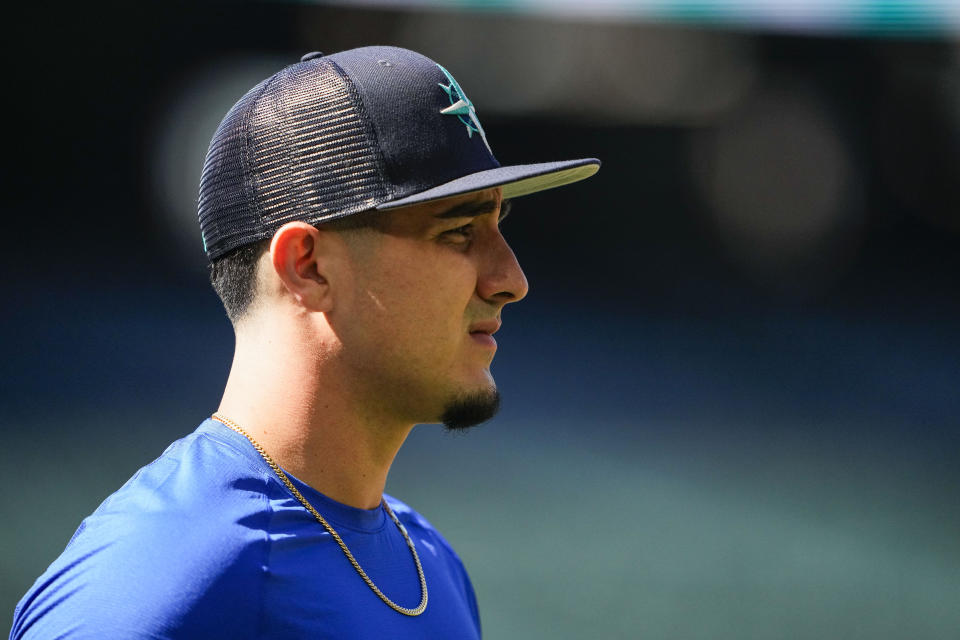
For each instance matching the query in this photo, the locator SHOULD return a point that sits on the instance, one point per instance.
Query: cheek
(429, 313)
(435, 307)
(415, 295)
(438, 279)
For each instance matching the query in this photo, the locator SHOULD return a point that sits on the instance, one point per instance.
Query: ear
(298, 254)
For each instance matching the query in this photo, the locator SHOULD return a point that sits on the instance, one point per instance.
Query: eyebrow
(472, 209)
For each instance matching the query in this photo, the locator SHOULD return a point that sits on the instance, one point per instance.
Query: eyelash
(466, 230)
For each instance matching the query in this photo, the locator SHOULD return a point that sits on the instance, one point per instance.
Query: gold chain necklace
(326, 525)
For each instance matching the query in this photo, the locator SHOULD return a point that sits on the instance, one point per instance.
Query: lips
(482, 333)
(488, 327)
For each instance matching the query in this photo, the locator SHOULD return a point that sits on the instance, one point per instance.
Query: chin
(470, 408)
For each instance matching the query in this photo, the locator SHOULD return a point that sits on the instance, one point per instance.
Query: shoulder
(421, 529)
(452, 581)
(181, 545)
(199, 488)
(405, 513)
(409, 517)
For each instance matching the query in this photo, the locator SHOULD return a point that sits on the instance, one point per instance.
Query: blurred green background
(730, 399)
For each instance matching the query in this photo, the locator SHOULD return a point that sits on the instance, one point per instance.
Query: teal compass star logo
(461, 107)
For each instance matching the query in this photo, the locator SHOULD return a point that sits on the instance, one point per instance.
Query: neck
(306, 417)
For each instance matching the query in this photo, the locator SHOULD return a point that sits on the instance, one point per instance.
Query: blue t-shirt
(206, 542)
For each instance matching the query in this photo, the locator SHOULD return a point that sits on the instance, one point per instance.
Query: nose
(501, 280)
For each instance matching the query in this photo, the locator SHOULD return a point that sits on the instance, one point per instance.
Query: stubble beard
(470, 409)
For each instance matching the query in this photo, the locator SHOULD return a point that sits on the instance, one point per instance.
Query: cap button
(311, 56)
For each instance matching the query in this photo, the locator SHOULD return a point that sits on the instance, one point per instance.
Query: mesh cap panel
(296, 147)
(368, 128)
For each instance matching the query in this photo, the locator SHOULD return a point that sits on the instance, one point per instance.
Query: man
(350, 207)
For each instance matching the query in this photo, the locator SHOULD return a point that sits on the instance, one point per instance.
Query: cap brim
(516, 181)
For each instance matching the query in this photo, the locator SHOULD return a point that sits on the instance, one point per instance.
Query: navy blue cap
(368, 128)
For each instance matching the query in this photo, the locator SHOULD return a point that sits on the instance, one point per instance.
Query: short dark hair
(234, 274)
(234, 277)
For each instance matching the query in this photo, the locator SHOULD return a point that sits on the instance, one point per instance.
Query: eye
(460, 234)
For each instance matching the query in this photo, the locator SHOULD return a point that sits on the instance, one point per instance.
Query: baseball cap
(373, 128)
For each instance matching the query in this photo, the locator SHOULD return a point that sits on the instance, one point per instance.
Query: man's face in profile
(427, 289)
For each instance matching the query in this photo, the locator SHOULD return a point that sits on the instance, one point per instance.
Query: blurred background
(731, 398)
